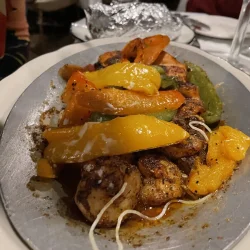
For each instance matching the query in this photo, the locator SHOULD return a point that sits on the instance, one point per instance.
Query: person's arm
(17, 37)
(2, 27)
(16, 18)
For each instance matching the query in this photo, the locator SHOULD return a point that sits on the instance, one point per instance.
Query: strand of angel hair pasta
(98, 217)
(159, 216)
(217, 85)
(199, 130)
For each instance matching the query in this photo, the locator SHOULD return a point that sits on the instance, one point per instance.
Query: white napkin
(212, 45)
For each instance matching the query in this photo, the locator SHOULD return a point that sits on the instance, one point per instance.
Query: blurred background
(35, 27)
(50, 21)
(49, 24)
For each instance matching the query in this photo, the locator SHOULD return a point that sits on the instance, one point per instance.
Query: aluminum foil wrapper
(131, 20)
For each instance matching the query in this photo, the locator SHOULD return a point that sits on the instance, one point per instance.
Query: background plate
(225, 29)
(36, 214)
(80, 30)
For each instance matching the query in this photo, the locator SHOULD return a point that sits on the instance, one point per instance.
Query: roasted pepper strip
(210, 98)
(134, 76)
(120, 136)
(125, 102)
(57, 134)
(74, 114)
(226, 147)
(77, 82)
(151, 48)
(145, 50)
(44, 169)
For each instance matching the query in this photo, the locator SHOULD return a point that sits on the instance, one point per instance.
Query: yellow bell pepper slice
(133, 76)
(207, 179)
(235, 144)
(226, 147)
(121, 135)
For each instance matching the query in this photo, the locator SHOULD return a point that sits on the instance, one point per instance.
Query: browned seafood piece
(145, 50)
(188, 147)
(110, 58)
(162, 180)
(68, 69)
(192, 145)
(173, 67)
(191, 107)
(185, 164)
(184, 121)
(103, 178)
(189, 90)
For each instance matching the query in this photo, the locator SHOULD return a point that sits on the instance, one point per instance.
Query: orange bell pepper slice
(121, 135)
(77, 82)
(151, 49)
(131, 48)
(145, 50)
(125, 102)
(74, 114)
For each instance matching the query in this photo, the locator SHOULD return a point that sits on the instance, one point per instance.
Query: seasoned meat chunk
(189, 90)
(173, 67)
(192, 145)
(187, 163)
(101, 180)
(162, 180)
(188, 147)
(191, 106)
(184, 123)
(110, 58)
(68, 69)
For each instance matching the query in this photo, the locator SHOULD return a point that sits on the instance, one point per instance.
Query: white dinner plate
(220, 26)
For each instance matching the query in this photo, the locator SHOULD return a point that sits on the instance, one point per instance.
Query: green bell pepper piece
(165, 115)
(167, 82)
(210, 98)
(99, 117)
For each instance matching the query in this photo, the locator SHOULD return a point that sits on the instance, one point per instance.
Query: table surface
(12, 87)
